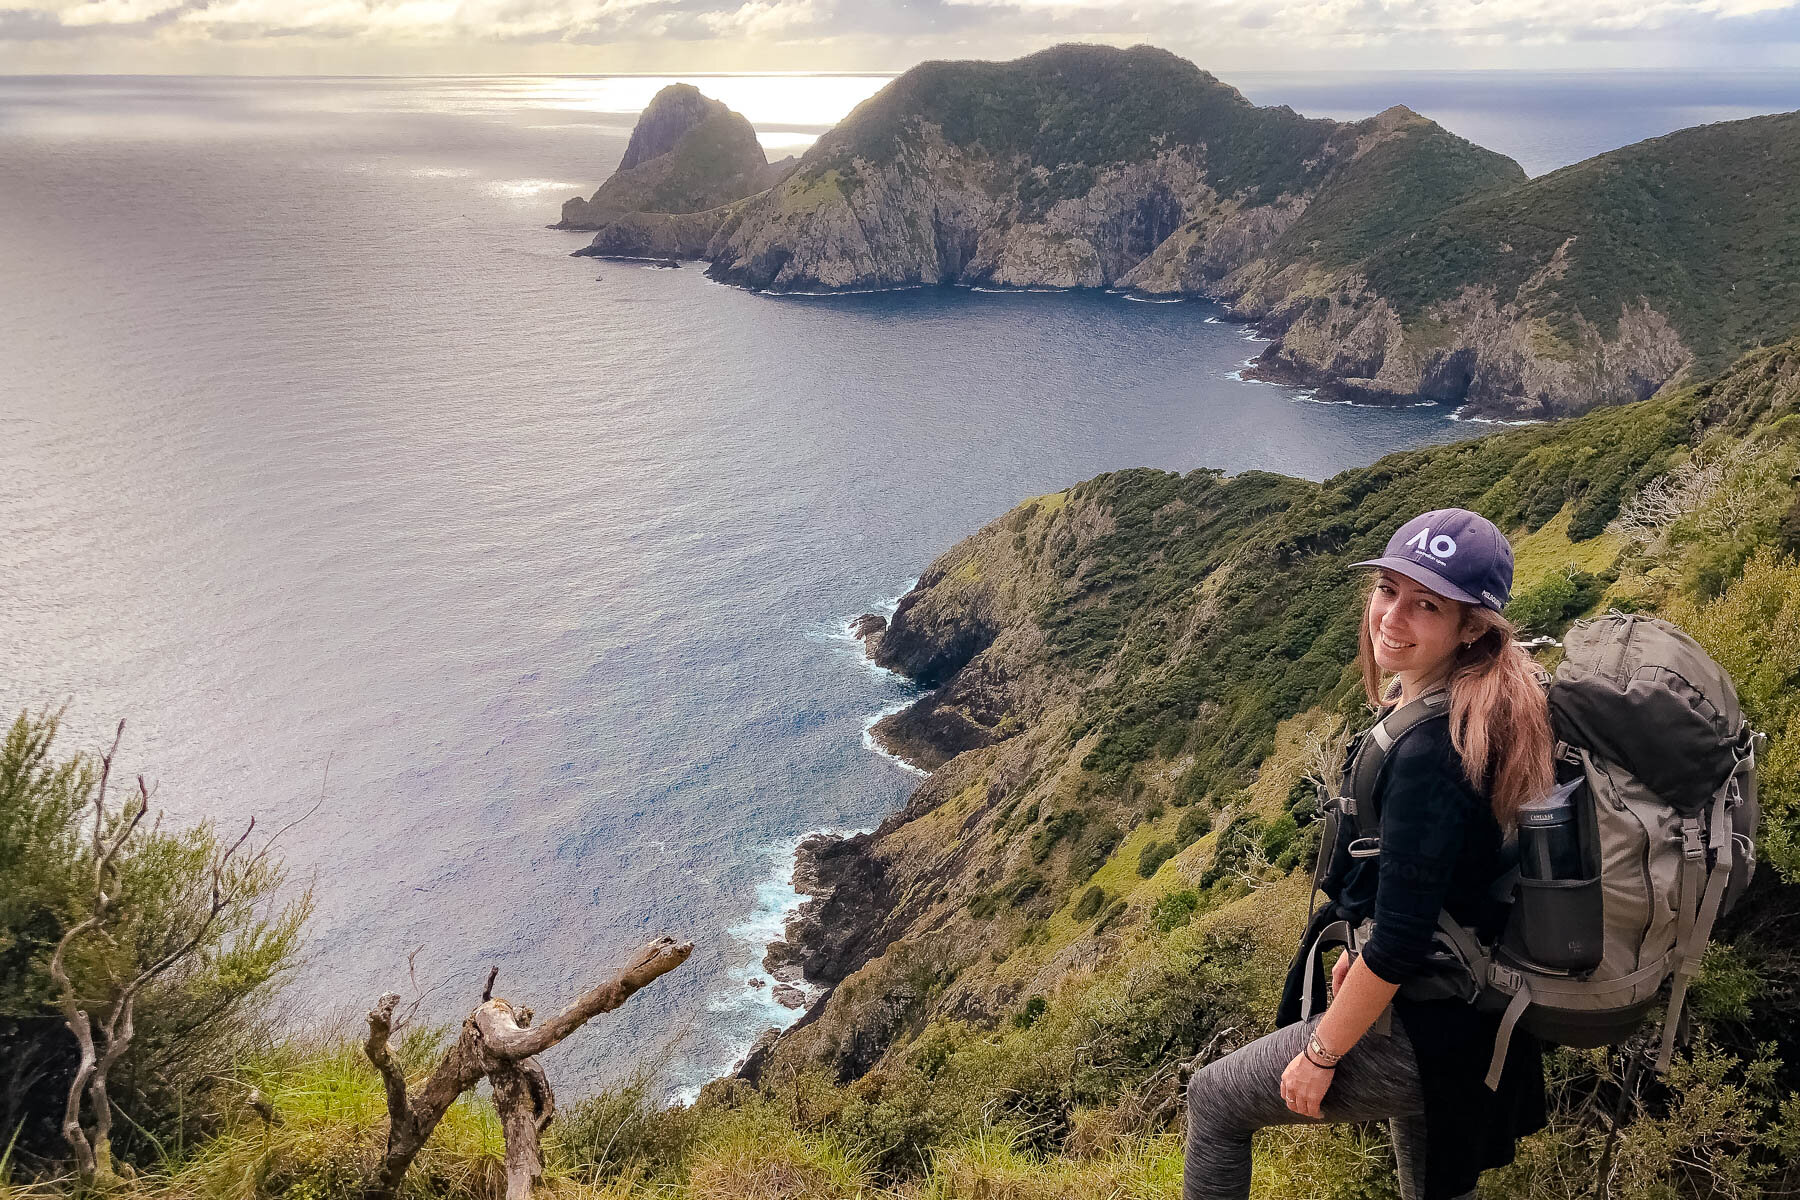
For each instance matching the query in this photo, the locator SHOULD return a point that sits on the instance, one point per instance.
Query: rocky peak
(671, 114)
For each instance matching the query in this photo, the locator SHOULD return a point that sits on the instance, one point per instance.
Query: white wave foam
(1153, 299)
(905, 287)
(747, 1001)
(1459, 416)
(868, 734)
(1212, 321)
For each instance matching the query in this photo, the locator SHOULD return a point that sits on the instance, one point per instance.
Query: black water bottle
(1549, 838)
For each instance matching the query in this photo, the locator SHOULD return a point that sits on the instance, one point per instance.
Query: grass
(1547, 549)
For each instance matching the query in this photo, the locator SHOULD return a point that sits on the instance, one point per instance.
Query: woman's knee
(1205, 1095)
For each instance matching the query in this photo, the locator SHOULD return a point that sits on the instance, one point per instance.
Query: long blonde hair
(1499, 720)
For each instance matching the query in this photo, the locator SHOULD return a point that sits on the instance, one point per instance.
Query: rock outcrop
(1069, 168)
(689, 161)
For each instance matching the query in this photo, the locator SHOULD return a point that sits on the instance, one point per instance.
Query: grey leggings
(1233, 1097)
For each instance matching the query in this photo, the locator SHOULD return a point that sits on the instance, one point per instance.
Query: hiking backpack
(1663, 765)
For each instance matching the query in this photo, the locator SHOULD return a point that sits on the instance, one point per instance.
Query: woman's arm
(1361, 999)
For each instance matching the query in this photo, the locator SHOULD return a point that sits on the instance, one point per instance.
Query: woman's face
(1416, 632)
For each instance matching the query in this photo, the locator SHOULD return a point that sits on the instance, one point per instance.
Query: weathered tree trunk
(498, 1042)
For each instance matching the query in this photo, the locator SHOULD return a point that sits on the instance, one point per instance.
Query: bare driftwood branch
(381, 1020)
(647, 963)
(499, 1043)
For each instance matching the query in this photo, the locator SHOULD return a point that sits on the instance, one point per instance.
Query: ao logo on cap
(1439, 546)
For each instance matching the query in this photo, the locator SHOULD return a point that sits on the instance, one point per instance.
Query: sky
(406, 37)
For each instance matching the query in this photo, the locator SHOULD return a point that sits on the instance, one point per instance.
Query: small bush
(1279, 836)
(1552, 604)
(1174, 910)
(1065, 824)
(1096, 847)
(1195, 824)
(1153, 856)
(1091, 902)
(1027, 1016)
(1112, 914)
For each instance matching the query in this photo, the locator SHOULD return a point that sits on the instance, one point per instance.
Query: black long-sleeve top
(1441, 848)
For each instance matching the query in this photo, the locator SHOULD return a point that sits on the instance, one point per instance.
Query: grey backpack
(1664, 766)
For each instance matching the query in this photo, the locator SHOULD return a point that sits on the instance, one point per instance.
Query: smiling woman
(1469, 742)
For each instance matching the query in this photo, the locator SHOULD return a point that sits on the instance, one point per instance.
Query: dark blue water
(316, 448)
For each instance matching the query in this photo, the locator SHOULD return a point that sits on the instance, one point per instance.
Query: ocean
(325, 467)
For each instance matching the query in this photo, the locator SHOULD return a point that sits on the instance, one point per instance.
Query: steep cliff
(1596, 284)
(1064, 169)
(689, 159)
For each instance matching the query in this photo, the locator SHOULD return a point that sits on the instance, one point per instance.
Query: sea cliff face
(1165, 175)
(1394, 262)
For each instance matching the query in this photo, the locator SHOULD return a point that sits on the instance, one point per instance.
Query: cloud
(966, 26)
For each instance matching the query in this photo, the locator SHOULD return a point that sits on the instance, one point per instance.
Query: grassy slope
(1202, 633)
(1401, 181)
(1705, 223)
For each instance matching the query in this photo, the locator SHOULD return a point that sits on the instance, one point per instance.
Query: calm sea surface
(324, 465)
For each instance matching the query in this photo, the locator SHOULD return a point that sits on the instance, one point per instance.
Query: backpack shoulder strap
(1372, 753)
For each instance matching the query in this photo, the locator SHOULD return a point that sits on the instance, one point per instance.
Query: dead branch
(101, 1048)
(499, 1043)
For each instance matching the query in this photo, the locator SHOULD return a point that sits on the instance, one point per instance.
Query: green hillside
(1074, 108)
(1704, 224)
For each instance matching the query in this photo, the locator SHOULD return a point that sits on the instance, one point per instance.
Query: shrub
(1097, 846)
(1174, 909)
(1195, 824)
(1553, 603)
(1067, 823)
(1153, 856)
(1091, 902)
(1113, 912)
(1279, 836)
(1027, 1016)
(192, 1021)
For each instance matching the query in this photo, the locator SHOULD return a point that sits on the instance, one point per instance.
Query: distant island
(690, 159)
(1393, 261)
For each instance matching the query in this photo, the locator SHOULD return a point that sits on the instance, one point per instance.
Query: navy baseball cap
(1455, 553)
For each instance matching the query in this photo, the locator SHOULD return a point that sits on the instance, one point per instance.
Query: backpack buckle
(1346, 805)
(1505, 978)
(1692, 844)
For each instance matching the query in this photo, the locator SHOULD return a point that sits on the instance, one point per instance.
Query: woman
(1446, 792)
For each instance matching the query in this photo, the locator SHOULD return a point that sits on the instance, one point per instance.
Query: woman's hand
(1303, 1086)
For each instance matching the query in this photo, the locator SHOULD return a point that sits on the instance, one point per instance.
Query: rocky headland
(689, 164)
(1392, 261)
